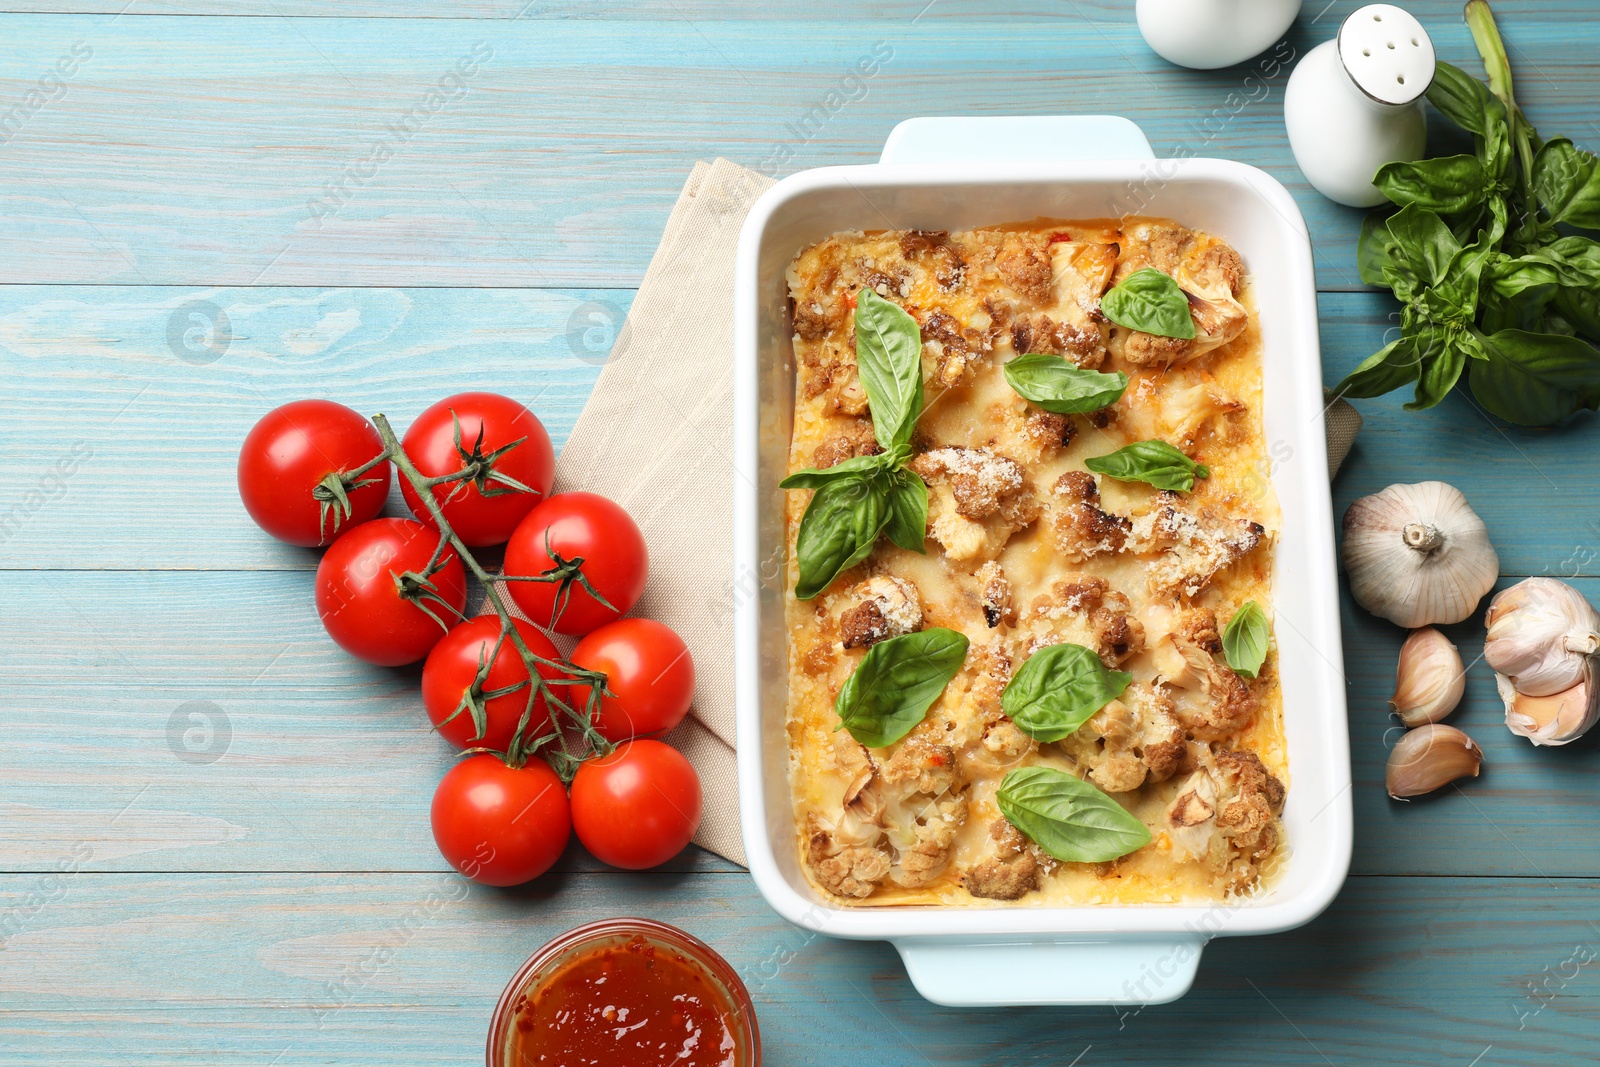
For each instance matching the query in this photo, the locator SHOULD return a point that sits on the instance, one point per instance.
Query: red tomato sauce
(632, 1002)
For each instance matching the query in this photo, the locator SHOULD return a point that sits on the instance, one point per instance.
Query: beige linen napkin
(657, 437)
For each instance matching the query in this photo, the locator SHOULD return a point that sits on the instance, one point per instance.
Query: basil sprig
(1067, 817)
(896, 682)
(1245, 640)
(863, 497)
(1058, 689)
(1154, 462)
(1492, 286)
(1061, 387)
(1151, 302)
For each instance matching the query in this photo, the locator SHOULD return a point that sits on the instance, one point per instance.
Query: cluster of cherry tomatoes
(393, 591)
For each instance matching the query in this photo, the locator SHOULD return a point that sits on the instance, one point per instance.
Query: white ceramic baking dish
(952, 174)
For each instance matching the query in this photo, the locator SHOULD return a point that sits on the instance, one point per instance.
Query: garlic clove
(1554, 719)
(1429, 757)
(1542, 634)
(1417, 554)
(1429, 680)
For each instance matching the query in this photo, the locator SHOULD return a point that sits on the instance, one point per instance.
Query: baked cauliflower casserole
(1029, 534)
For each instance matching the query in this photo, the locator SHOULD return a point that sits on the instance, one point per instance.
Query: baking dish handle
(1126, 973)
(1015, 139)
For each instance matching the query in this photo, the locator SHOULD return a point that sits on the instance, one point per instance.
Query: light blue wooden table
(213, 825)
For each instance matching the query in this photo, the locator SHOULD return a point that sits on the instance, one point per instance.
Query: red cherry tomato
(453, 665)
(555, 535)
(501, 825)
(290, 452)
(358, 591)
(648, 668)
(637, 807)
(480, 519)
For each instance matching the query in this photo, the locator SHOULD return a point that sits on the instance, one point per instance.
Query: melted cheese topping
(1020, 555)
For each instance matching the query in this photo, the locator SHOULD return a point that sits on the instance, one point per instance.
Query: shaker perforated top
(1387, 52)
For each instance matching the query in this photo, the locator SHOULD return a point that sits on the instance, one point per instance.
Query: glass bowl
(552, 959)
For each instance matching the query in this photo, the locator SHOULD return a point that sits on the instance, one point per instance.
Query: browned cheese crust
(1026, 548)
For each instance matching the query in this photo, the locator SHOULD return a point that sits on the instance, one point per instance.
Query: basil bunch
(1067, 817)
(861, 498)
(1245, 640)
(896, 682)
(1061, 387)
(1151, 302)
(1493, 285)
(1152, 462)
(1058, 689)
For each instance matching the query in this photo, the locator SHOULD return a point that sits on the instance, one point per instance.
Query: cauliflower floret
(1080, 345)
(933, 249)
(1082, 530)
(997, 607)
(956, 351)
(977, 500)
(855, 439)
(1210, 274)
(1212, 701)
(1190, 548)
(1083, 272)
(1024, 263)
(887, 607)
(849, 869)
(1012, 872)
(909, 811)
(1188, 412)
(1085, 610)
(1130, 741)
(1226, 815)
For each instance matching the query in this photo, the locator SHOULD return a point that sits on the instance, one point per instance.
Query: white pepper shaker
(1355, 103)
(1207, 34)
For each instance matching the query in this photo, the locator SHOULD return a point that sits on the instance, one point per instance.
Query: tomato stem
(565, 762)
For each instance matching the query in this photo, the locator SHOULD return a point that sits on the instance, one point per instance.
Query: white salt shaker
(1355, 103)
(1207, 34)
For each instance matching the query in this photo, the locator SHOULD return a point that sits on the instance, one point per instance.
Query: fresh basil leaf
(1494, 147)
(1374, 260)
(1510, 277)
(1460, 97)
(1567, 182)
(1067, 817)
(1442, 364)
(889, 360)
(838, 530)
(1419, 239)
(817, 477)
(906, 496)
(1580, 307)
(896, 682)
(1246, 638)
(1536, 379)
(1056, 385)
(1150, 302)
(1058, 689)
(1386, 370)
(1446, 184)
(1154, 462)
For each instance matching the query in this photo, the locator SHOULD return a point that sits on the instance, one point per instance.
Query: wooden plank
(212, 151)
(105, 370)
(133, 680)
(298, 969)
(692, 10)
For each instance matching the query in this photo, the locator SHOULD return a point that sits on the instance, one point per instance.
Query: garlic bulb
(1544, 646)
(1418, 554)
(1429, 757)
(1429, 680)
